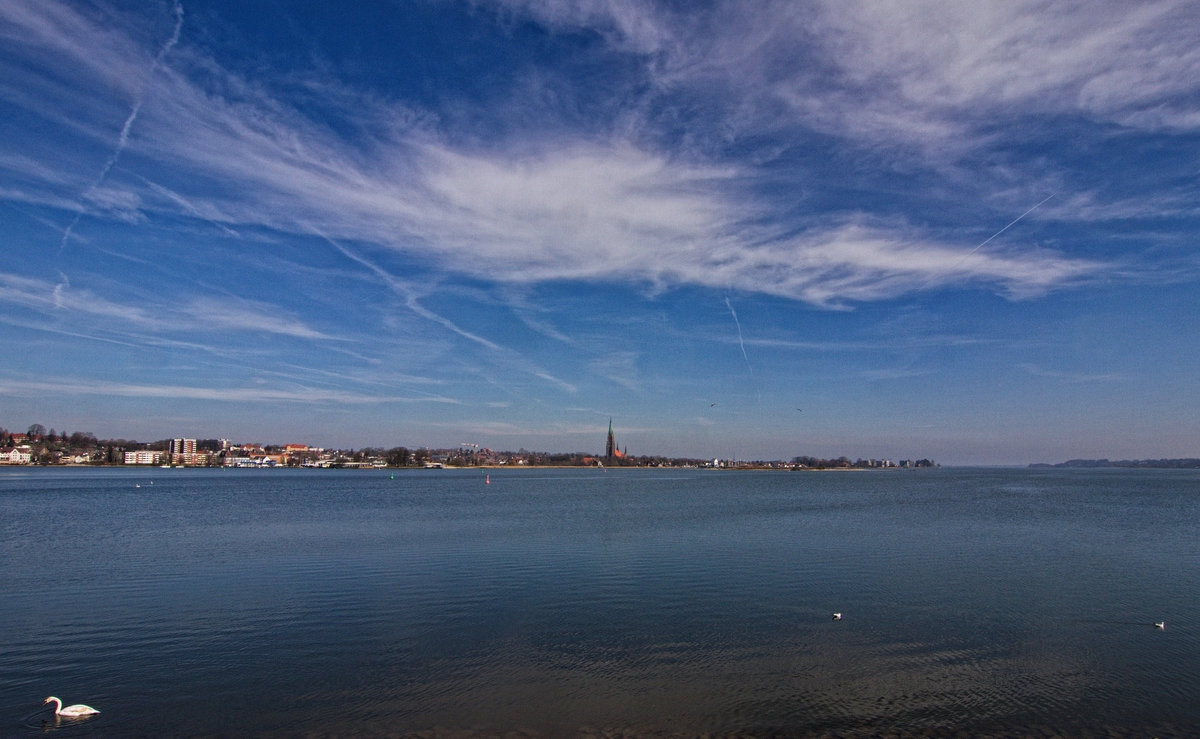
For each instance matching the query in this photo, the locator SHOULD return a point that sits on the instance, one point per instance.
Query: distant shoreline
(1185, 463)
(1119, 465)
(502, 467)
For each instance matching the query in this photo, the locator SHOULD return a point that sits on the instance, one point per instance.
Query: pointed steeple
(611, 445)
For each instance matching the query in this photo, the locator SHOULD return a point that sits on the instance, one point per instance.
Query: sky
(746, 229)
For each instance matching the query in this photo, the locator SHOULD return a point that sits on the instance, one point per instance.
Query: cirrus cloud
(570, 207)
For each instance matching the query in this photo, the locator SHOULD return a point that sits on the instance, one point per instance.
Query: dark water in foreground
(566, 603)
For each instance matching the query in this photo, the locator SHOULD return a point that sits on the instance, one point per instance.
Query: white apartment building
(141, 457)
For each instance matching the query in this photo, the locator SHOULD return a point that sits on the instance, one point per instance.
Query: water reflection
(46, 720)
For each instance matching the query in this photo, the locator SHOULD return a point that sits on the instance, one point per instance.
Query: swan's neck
(58, 705)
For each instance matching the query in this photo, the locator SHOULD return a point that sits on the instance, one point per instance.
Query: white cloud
(1075, 377)
(1112, 60)
(632, 24)
(893, 374)
(620, 367)
(246, 315)
(65, 31)
(596, 213)
(234, 394)
(933, 340)
(915, 71)
(116, 203)
(52, 297)
(199, 315)
(597, 209)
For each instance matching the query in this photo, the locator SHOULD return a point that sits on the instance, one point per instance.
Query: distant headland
(1160, 464)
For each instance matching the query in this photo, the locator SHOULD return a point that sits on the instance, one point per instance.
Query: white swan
(837, 617)
(76, 710)
(1161, 625)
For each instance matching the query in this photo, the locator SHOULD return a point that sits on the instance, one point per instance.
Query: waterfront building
(183, 446)
(141, 457)
(17, 455)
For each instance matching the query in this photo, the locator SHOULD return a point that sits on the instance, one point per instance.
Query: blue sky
(963, 231)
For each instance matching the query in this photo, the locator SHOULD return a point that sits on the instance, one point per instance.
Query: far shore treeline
(41, 446)
(1167, 464)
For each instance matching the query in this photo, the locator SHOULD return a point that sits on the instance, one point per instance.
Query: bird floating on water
(487, 479)
(76, 710)
(837, 617)
(1161, 625)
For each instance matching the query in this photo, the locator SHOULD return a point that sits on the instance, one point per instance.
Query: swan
(1161, 625)
(71, 711)
(837, 617)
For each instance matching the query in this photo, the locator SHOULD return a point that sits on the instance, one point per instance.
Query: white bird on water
(837, 617)
(1161, 625)
(71, 711)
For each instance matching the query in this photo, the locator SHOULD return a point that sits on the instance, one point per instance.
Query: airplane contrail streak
(985, 242)
(1007, 227)
(741, 343)
(123, 138)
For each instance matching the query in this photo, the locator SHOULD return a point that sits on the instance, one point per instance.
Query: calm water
(566, 603)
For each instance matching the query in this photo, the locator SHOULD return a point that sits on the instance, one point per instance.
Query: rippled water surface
(577, 602)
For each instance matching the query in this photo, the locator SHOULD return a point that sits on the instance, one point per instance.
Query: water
(209, 603)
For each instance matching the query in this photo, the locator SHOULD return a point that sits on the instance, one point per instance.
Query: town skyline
(744, 229)
(45, 447)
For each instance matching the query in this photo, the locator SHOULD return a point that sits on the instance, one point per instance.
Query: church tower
(611, 449)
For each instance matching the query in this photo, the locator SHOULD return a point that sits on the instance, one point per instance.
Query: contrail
(960, 260)
(123, 138)
(410, 301)
(739, 329)
(186, 205)
(964, 256)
